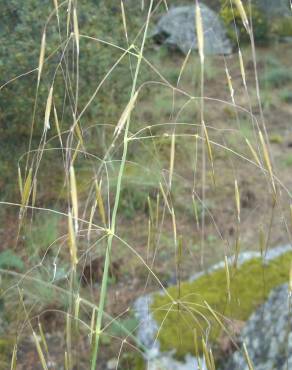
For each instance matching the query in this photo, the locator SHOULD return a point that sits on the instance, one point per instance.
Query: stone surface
(177, 29)
(267, 335)
(166, 362)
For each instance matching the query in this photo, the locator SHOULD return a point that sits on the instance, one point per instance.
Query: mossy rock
(250, 285)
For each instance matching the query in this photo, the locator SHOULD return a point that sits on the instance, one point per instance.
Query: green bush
(286, 96)
(20, 48)
(282, 27)
(277, 77)
(260, 23)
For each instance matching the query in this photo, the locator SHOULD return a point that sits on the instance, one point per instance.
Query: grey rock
(267, 335)
(177, 29)
(167, 362)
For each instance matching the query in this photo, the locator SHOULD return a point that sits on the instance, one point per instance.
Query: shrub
(286, 96)
(20, 48)
(260, 23)
(277, 77)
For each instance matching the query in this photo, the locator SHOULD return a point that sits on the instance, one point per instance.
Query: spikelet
(99, 201)
(41, 57)
(210, 154)
(57, 126)
(237, 200)
(229, 82)
(20, 185)
(76, 29)
(174, 227)
(48, 109)
(74, 196)
(195, 211)
(253, 152)
(26, 189)
(200, 32)
(242, 13)
(227, 277)
(267, 160)
(40, 351)
(77, 130)
(242, 70)
(69, 16)
(72, 241)
(124, 20)
(172, 155)
(126, 113)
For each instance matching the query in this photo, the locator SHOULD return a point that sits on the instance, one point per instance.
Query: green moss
(250, 286)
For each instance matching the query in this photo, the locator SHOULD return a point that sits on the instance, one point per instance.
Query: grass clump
(286, 96)
(278, 77)
(250, 285)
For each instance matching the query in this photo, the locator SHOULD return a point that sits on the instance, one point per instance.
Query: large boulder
(177, 29)
(267, 335)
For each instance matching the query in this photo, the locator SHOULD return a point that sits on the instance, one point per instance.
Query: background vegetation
(173, 219)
